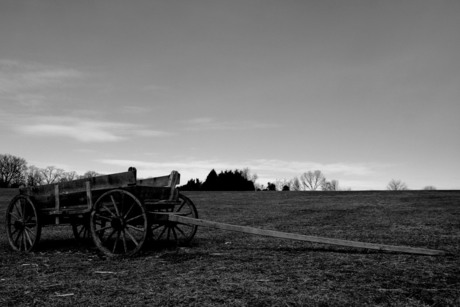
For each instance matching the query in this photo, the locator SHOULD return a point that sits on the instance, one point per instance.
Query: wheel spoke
(110, 236)
(181, 206)
(123, 238)
(129, 211)
(30, 232)
(14, 215)
(15, 230)
(162, 232)
(115, 205)
(108, 210)
(180, 230)
(116, 242)
(158, 226)
(174, 233)
(27, 237)
(17, 237)
(134, 218)
(131, 236)
(135, 228)
(103, 217)
(104, 228)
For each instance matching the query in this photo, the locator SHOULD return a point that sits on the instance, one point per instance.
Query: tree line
(14, 172)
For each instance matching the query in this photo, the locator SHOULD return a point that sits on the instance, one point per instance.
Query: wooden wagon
(120, 214)
(117, 211)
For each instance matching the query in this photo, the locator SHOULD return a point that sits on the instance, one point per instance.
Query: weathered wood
(293, 236)
(56, 202)
(79, 185)
(163, 181)
(89, 195)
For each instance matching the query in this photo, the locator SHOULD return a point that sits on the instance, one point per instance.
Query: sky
(365, 91)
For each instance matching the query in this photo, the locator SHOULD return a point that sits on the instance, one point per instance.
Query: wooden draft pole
(293, 236)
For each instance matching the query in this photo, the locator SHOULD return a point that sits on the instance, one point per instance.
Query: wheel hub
(118, 224)
(18, 224)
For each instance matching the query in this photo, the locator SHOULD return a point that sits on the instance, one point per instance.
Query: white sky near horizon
(366, 91)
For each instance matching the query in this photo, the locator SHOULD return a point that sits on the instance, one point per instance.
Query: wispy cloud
(84, 130)
(27, 83)
(209, 123)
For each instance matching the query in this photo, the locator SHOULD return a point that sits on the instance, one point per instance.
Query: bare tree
(12, 170)
(294, 184)
(429, 187)
(68, 176)
(312, 180)
(34, 176)
(51, 174)
(396, 185)
(332, 185)
(90, 174)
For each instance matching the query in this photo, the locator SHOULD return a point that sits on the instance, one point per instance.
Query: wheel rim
(173, 231)
(22, 224)
(118, 223)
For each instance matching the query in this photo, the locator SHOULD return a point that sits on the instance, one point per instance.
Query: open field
(235, 269)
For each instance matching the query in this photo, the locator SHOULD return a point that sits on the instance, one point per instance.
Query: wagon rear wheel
(173, 231)
(118, 223)
(23, 226)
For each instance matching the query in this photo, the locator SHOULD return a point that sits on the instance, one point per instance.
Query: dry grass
(234, 269)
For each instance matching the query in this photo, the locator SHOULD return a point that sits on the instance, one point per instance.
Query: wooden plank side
(292, 236)
(100, 182)
(162, 181)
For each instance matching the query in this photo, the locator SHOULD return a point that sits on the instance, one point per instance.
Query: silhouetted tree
(12, 170)
(294, 184)
(271, 186)
(90, 174)
(192, 185)
(51, 174)
(68, 176)
(332, 185)
(312, 180)
(211, 183)
(286, 188)
(396, 185)
(429, 187)
(34, 176)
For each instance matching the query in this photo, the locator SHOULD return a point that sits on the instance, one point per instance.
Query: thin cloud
(209, 123)
(85, 130)
(27, 83)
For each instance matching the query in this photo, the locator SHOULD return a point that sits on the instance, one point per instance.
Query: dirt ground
(221, 268)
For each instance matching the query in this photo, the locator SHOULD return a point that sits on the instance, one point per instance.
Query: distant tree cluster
(237, 180)
(14, 173)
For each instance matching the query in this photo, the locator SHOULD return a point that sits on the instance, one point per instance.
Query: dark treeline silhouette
(224, 181)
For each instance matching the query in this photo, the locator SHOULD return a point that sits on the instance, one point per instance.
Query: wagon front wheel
(23, 226)
(118, 223)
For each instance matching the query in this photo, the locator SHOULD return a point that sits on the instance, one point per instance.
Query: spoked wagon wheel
(118, 223)
(173, 231)
(23, 226)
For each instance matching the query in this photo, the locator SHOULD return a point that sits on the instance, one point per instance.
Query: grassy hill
(235, 269)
